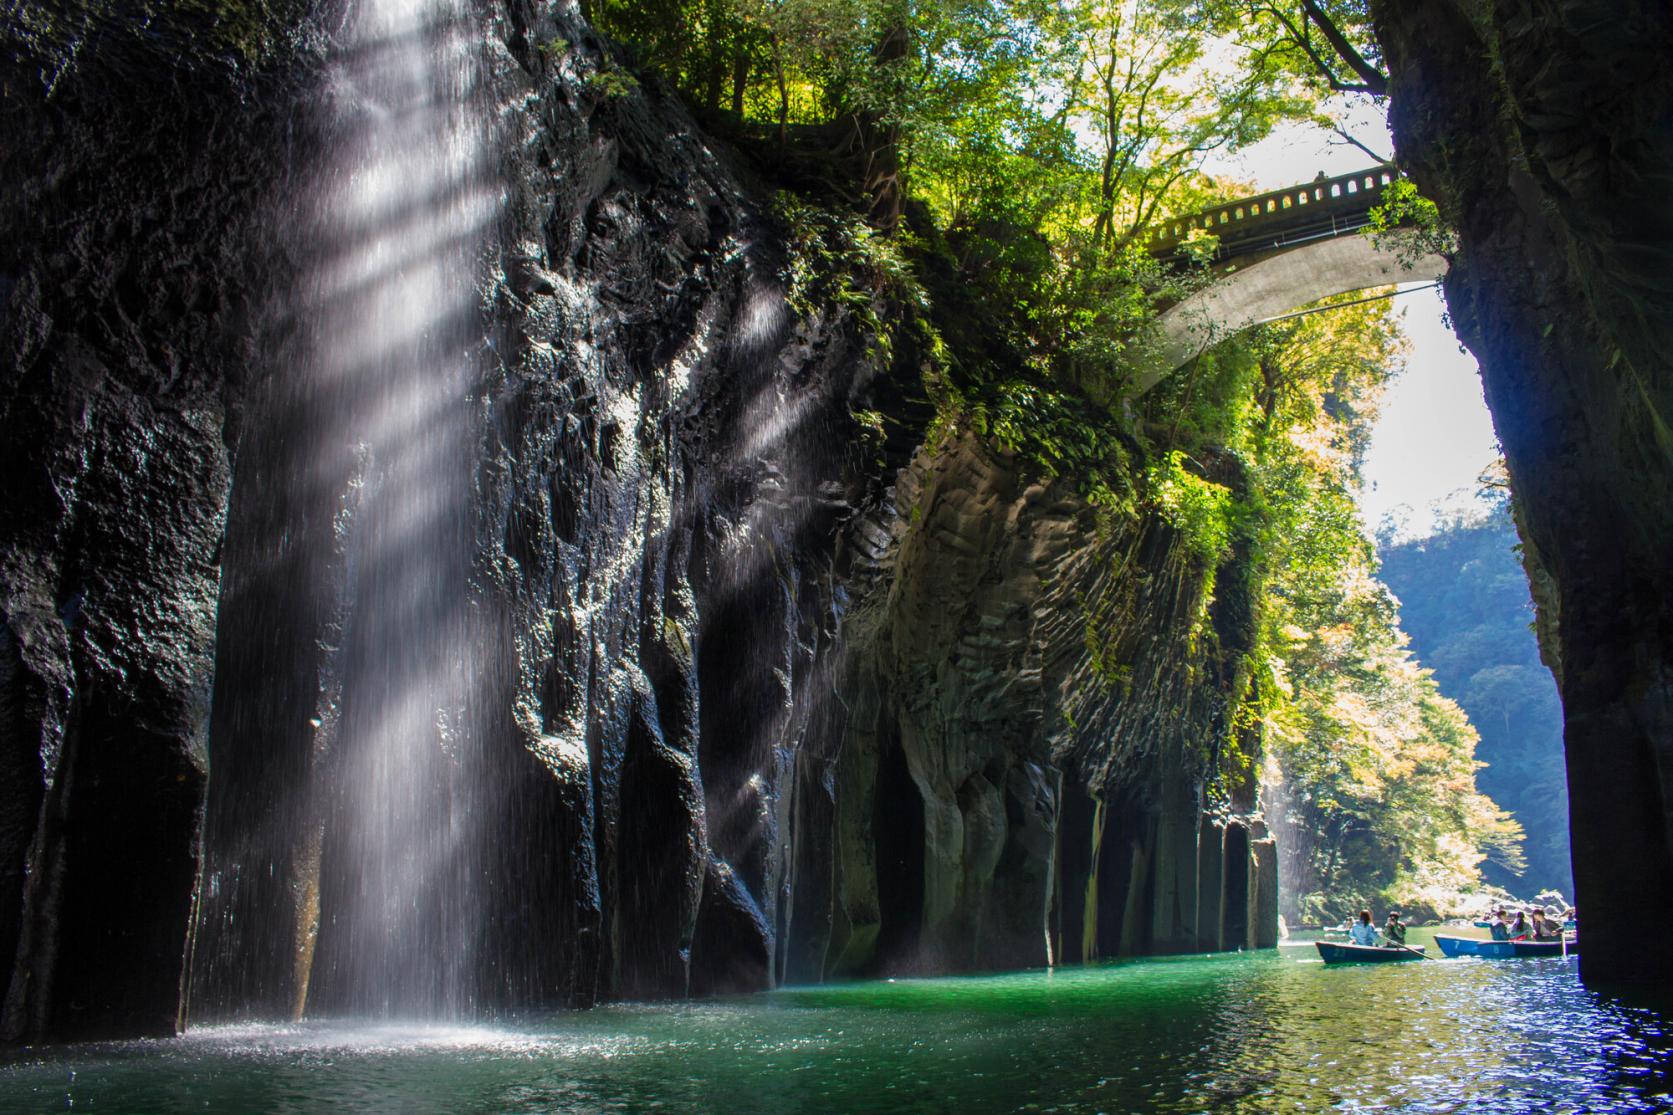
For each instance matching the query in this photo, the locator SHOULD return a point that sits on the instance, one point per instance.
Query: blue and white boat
(1502, 950)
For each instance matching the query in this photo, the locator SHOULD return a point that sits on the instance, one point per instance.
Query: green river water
(1272, 1031)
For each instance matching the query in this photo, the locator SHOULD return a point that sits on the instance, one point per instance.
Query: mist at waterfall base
(1246, 1032)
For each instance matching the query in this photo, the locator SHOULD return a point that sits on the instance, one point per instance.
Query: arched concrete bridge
(1279, 251)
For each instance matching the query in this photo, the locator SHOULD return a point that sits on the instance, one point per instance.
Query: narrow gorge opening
(828, 537)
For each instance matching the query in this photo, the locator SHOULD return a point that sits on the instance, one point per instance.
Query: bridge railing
(1323, 207)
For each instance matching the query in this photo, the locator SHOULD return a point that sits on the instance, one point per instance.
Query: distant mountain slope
(1464, 601)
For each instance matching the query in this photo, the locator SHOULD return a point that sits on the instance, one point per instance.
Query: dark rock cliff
(1035, 699)
(1544, 128)
(127, 279)
(756, 696)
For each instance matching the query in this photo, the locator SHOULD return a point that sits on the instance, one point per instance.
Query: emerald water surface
(1273, 1031)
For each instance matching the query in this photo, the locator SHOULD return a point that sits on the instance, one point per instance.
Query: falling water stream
(398, 214)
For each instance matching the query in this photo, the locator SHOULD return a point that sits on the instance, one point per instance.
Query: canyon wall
(760, 691)
(128, 282)
(1545, 132)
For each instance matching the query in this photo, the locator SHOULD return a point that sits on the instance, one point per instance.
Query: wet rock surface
(126, 278)
(759, 699)
(1036, 725)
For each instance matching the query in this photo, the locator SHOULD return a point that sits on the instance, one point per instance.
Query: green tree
(1464, 600)
(1327, 41)
(1371, 770)
(1374, 788)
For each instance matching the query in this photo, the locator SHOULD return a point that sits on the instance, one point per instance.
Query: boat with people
(1539, 931)
(1473, 946)
(1503, 950)
(1333, 952)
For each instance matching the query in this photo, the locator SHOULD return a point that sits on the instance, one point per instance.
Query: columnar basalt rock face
(126, 278)
(1211, 867)
(1025, 770)
(1545, 131)
(1263, 918)
(759, 700)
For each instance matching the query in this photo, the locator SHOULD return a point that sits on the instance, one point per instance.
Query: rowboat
(1333, 953)
(1472, 946)
(1501, 950)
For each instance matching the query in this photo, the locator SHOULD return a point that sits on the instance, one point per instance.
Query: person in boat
(1394, 933)
(1519, 928)
(1547, 928)
(1363, 932)
(1500, 929)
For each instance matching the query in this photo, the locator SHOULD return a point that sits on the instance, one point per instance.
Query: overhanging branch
(1374, 80)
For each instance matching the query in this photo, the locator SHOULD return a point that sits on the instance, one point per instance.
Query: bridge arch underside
(1273, 285)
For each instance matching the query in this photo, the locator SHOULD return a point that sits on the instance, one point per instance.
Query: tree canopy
(1370, 770)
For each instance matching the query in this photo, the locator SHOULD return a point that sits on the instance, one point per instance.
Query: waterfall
(401, 215)
(378, 860)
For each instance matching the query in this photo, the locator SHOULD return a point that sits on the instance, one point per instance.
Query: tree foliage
(1376, 769)
(1372, 770)
(1464, 599)
(1329, 42)
(1058, 129)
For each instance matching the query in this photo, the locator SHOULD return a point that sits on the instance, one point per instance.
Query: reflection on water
(1257, 1033)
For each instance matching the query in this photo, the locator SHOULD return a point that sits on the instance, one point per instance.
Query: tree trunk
(879, 140)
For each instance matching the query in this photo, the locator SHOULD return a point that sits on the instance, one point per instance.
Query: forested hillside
(1464, 602)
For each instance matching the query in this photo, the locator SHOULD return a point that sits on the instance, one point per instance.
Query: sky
(1433, 436)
